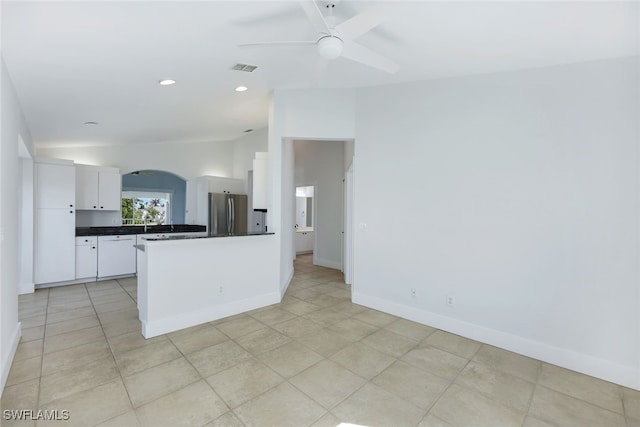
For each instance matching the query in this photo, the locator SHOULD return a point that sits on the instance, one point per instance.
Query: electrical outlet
(450, 300)
(413, 292)
(221, 290)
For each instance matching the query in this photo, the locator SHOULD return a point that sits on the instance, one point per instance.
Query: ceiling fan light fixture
(330, 47)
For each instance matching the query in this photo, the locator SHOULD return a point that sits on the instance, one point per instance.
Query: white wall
(26, 220)
(301, 211)
(244, 150)
(525, 185)
(327, 114)
(232, 159)
(349, 151)
(187, 160)
(321, 163)
(12, 124)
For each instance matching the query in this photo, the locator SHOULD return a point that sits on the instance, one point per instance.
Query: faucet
(145, 224)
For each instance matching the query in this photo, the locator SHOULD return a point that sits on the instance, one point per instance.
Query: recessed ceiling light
(241, 88)
(167, 82)
(90, 123)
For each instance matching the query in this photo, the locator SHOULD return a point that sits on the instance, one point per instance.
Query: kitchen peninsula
(185, 281)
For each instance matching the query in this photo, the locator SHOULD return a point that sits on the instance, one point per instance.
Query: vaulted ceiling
(77, 62)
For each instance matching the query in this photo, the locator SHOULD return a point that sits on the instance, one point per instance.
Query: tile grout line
(533, 393)
(114, 357)
(452, 381)
(44, 334)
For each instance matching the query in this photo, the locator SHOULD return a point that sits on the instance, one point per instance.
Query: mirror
(154, 196)
(304, 208)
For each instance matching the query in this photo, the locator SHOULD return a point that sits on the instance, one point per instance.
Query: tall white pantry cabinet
(62, 189)
(55, 221)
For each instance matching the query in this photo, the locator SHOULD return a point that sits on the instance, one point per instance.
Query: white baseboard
(584, 363)
(284, 286)
(26, 288)
(327, 263)
(7, 357)
(219, 311)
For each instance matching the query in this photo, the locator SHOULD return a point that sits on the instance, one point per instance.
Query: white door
(55, 186)
(348, 227)
(87, 261)
(116, 255)
(109, 191)
(55, 245)
(86, 188)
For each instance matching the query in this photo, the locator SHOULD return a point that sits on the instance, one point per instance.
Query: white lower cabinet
(116, 255)
(86, 257)
(304, 242)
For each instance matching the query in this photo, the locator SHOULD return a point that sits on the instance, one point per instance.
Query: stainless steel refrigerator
(227, 213)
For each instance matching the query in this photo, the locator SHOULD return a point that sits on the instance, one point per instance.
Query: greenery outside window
(151, 207)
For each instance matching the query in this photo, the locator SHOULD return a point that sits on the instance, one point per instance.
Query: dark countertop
(139, 229)
(209, 236)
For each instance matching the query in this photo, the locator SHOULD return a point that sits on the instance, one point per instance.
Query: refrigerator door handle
(229, 213)
(233, 214)
(215, 218)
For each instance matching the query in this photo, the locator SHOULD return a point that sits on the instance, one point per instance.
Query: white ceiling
(73, 62)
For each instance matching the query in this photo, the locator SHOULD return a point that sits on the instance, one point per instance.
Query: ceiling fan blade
(315, 16)
(357, 52)
(279, 43)
(363, 22)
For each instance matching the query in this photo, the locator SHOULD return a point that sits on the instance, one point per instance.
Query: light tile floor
(315, 359)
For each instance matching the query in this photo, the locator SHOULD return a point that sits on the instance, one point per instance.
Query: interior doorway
(305, 235)
(347, 255)
(318, 164)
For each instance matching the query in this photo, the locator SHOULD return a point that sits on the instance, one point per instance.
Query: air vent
(244, 67)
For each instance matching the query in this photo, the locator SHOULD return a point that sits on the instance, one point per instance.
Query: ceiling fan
(336, 41)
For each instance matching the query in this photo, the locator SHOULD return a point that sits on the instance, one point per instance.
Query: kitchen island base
(187, 282)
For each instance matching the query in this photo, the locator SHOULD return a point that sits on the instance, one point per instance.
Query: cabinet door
(55, 245)
(260, 180)
(116, 255)
(86, 188)
(299, 242)
(55, 186)
(109, 191)
(308, 241)
(86, 261)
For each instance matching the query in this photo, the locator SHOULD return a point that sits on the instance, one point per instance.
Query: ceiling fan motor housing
(330, 47)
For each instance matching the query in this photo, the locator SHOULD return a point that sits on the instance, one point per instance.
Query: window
(151, 207)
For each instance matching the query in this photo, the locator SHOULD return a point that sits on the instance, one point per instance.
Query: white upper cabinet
(98, 188)
(109, 190)
(218, 184)
(55, 185)
(86, 188)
